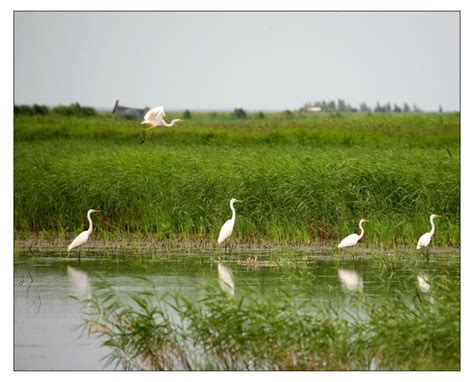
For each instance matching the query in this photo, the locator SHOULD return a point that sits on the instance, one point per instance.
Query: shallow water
(47, 336)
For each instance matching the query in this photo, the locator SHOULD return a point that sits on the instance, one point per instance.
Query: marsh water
(47, 317)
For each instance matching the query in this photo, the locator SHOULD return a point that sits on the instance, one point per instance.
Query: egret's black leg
(143, 137)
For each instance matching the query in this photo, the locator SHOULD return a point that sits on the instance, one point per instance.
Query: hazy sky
(258, 61)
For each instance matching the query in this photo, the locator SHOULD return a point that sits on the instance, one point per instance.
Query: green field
(302, 177)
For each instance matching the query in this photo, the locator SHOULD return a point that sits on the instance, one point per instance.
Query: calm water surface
(47, 317)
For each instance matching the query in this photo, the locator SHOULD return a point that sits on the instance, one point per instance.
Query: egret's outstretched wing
(155, 116)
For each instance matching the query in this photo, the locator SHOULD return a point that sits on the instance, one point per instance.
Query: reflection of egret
(80, 281)
(423, 284)
(155, 117)
(350, 279)
(226, 281)
(353, 239)
(425, 239)
(82, 238)
(228, 226)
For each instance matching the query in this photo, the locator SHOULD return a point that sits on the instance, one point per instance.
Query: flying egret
(155, 117)
(353, 239)
(226, 229)
(82, 238)
(425, 239)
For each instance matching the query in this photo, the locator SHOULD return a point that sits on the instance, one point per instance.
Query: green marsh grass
(302, 178)
(284, 330)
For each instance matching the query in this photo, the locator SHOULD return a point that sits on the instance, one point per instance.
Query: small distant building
(131, 112)
(314, 109)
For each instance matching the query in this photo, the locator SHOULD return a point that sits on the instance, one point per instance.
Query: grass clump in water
(282, 331)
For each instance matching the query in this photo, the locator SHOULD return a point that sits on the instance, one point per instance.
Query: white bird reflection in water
(80, 281)
(350, 280)
(226, 280)
(423, 283)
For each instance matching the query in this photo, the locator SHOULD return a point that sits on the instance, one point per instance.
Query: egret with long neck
(82, 238)
(425, 239)
(228, 226)
(353, 239)
(156, 117)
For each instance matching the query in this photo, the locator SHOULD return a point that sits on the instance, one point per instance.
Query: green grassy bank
(301, 177)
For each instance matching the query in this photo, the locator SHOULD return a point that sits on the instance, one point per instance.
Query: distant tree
(40, 109)
(440, 109)
(240, 113)
(351, 109)
(364, 108)
(75, 110)
(331, 106)
(305, 106)
(406, 108)
(187, 114)
(22, 110)
(341, 105)
(260, 115)
(416, 109)
(396, 108)
(378, 108)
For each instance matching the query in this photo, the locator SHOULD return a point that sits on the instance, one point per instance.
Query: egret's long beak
(367, 221)
(438, 216)
(97, 211)
(239, 201)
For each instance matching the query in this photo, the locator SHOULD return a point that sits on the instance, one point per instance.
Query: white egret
(350, 280)
(226, 281)
(228, 226)
(82, 238)
(425, 239)
(353, 239)
(155, 117)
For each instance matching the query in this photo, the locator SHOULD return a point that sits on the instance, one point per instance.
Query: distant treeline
(341, 106)
(73, 109)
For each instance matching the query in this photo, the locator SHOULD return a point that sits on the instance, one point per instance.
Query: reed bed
(302, 178)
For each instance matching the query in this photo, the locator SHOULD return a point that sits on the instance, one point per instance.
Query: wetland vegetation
(305, 180)
(303, 177)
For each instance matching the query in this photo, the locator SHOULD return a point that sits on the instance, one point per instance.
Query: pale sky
(218, 61)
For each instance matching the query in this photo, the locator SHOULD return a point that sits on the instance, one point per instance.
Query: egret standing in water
(425, 239)
(228, 226)
(155, 117)
(82, 238)
(353, 239)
